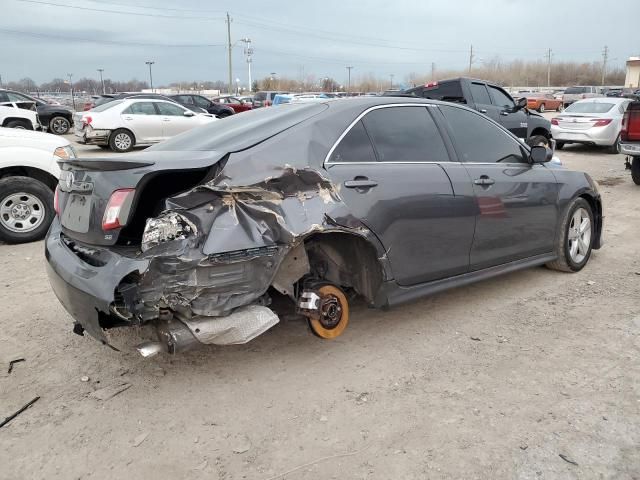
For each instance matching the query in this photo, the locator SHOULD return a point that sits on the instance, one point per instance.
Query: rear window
(106, 105)
(261, 96)
(447, 91)
(239, 132)
(589, 107)
(575, 90)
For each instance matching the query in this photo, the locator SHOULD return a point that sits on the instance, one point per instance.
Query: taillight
(115, 216)
(554, 121)
(431, 84)
(602, 122)
(56, 201)
(631, 125)
(87, 120)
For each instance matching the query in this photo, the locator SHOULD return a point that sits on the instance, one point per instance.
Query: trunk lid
(86, 185)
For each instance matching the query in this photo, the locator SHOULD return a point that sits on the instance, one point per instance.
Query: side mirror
(521, 103)
(540, 154)
(189, 114)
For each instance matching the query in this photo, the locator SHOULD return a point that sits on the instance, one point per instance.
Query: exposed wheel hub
(330, 312)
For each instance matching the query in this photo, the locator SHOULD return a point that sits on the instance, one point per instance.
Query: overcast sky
(42, 39)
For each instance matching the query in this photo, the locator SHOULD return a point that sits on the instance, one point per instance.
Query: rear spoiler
(104, 164)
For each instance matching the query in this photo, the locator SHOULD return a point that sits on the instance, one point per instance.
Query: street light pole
(391, 83)
(248, 51)
(150, 75)
(101, 80)
(230, 47)
(73, 98)
(349, 79)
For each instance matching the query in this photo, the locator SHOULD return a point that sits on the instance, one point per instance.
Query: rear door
(173, 119)
(516, 121)
(391, 168)
(516, 201)
(142, 118)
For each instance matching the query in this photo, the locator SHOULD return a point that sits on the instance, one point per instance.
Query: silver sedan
(593, 121)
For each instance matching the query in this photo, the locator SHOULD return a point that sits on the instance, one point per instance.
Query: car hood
(12, 137)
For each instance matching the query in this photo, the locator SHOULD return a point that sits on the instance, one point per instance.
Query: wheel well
(40, 175)
(346, 260)
(541, 131)
(23, 120)
(596, 208)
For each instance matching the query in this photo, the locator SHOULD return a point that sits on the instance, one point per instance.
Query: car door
(141, 117)
(516, 121)
(516, 201)
(173, 118)
(391, 167)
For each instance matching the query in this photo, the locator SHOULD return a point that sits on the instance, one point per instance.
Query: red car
(235, 103)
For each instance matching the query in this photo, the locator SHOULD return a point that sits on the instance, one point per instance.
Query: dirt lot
(532, 375)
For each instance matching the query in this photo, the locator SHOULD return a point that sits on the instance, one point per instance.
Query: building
(632, 80)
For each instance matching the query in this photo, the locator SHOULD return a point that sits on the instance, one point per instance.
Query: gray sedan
(593, 121)
(383, 198)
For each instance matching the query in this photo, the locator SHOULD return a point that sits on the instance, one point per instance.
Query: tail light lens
(631, 125)
(117, 212)
(554, 121)
(56, 201)
(87, 120)
(602, 122)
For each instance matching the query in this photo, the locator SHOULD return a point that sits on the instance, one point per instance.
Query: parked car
(386, 198)
(122, 124)
(28, 177)
(238, 105)
(56, 119)
(265, 99)
(98, 100)
(543, 101)
(493, 101)
(594, 121)
(573, 94)
(217, 109)
(284, 98)
(21, 115)
(630, 139)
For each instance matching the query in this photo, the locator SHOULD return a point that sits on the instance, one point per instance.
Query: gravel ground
(530, 375)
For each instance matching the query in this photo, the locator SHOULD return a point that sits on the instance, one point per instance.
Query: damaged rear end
(191, 243)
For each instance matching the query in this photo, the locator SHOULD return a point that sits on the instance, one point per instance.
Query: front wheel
(615, 148)
(26, 209)
(541, 108)
(560, 107)
(538, 140)
(559, 145)
(575, 238)
(635, 170)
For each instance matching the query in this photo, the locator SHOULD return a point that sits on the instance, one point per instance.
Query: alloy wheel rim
(122, 141)
(60, 125)
(579, 235)
(21, 212)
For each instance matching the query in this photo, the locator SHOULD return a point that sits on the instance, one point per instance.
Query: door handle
(484, 180)
(361, 183)
(166, 119)
(504, 113)
(483, 110)
(128, 118)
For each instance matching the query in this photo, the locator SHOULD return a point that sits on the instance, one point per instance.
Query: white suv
(12, 116)
(29, 174)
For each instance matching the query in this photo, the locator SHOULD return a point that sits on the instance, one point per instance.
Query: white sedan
(121, 124)
(592, 121)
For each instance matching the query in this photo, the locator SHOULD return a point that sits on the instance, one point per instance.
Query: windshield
(589, 107)
(574, 90)
(102, 100)
(106, 106)
(241, 131)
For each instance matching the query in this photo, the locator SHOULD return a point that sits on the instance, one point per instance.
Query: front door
(391, 171)
(143, 120)
(504, 112)
(173, 119)
(516, 202)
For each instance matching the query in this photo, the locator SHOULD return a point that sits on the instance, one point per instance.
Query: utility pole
(470, 58)
(391, 83)
(349, 79)
(101, 80)
(150, 76)
(0, 81)
(605, 57)
(248, 51)
(433, 71)
(73, 98)
(229, 47)
(548, 55)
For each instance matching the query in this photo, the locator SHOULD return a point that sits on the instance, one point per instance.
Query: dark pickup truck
(493, 101)
(630, 139)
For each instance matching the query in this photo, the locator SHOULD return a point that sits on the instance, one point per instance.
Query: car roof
(604, 100)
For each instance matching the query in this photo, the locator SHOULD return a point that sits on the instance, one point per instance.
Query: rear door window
(354, 147)
(405, 134)
(480, 94)
(478, 140)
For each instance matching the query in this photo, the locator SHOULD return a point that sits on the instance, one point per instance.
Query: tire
(538, 140)
(59, 125)
(635, 170)
(26, 209)
(574, 254)
(559, 145)
(121, 140)
(541, 108)
(560, 107)
(19, 124)
(615, 148)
